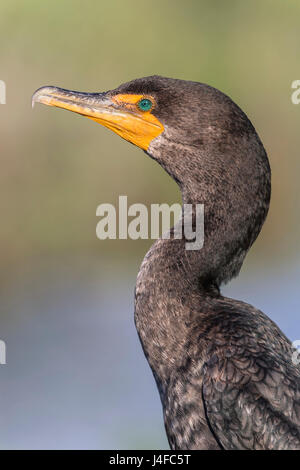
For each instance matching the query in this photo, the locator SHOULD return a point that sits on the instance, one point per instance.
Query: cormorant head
(190, 128)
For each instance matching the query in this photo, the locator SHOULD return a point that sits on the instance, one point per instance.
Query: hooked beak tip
(42, 95)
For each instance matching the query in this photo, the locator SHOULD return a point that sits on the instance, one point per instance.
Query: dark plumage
(223, 369)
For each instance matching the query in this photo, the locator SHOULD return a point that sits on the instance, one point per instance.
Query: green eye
(144, 104)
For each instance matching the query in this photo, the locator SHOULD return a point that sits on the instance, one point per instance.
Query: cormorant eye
(145, 104)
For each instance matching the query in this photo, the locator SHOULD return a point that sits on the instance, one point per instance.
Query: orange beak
(119, 113)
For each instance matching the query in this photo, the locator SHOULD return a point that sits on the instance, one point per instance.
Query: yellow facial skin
(120, 113)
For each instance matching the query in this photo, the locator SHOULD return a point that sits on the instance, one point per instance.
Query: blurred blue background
(76, 376)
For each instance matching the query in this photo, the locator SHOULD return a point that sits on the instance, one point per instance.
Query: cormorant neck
(171, 292)
(215, 171)
(175, 284)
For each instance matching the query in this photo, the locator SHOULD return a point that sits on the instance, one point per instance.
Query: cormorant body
(223, 369)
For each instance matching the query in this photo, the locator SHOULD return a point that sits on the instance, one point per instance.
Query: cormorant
(224, 370)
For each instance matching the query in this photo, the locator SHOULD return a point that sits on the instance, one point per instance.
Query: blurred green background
(75, 374)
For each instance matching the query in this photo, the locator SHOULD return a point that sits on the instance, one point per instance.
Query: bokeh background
(75, 374)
